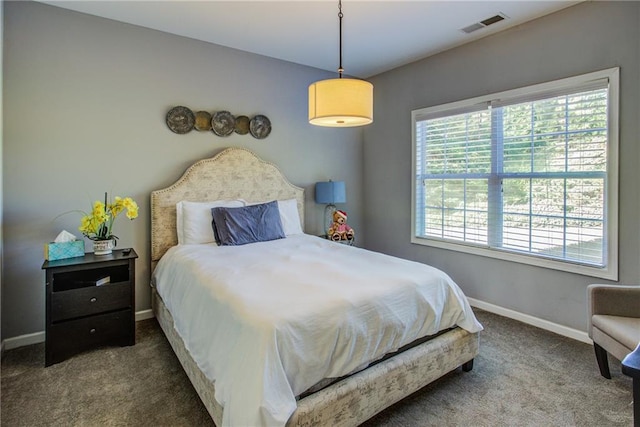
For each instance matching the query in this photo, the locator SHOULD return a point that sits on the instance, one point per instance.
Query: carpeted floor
(523, 376)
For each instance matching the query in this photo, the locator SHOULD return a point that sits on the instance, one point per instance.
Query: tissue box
(54, 251)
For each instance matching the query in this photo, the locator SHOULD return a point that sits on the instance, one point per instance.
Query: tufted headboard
(235, 173)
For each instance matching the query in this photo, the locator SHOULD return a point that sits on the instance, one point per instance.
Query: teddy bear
(339, 229)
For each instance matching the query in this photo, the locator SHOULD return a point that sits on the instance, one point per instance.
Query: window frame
(610, 270)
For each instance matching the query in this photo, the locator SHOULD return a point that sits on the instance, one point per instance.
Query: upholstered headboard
(235, 173)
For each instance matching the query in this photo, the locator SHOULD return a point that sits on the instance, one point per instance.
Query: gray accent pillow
(247, 224)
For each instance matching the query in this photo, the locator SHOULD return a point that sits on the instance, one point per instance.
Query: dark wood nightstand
(90, 303)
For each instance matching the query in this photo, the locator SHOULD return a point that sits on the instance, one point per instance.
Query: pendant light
(340, 102)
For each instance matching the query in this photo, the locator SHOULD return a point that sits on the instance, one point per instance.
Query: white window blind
(525, 172)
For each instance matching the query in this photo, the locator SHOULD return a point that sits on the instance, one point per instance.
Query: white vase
(103, 247)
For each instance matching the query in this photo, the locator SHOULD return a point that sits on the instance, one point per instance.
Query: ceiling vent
(484, 23)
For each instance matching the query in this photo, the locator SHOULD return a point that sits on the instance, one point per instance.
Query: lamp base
(328, 217)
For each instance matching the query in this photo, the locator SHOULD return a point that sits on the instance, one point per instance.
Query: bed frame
(238, 173)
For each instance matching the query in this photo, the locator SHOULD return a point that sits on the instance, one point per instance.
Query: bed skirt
(352, 400)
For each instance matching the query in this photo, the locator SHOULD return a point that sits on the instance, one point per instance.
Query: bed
(350, 389)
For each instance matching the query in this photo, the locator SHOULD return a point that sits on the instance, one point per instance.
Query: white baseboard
(22, 340)
(144, 315)
(533, 321)
(38, 337)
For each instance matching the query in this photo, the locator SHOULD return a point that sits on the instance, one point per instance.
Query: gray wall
(85, 102)
(1, 103)
(588, 37)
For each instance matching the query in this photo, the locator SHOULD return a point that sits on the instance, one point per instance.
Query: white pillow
(193, 220)
(289, 216)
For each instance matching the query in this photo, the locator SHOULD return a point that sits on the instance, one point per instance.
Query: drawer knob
(92, 331)
(94, 299)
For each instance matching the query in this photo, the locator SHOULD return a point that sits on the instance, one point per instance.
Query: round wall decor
(223, 123)
(242, 125)
(180, 119)
(203, 121)
(260, 126)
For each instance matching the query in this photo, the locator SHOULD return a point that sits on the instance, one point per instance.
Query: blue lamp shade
(331, 192)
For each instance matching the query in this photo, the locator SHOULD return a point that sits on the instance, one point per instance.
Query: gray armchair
(614, 321)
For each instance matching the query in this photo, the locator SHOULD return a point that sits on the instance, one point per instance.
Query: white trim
(556, 328)
(565, 331)
(22, 340)
(144, 315)
(601, 273)
(610, 271)
(518, 93)
(38, 337)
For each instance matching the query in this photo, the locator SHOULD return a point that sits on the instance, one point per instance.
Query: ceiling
(377, 35)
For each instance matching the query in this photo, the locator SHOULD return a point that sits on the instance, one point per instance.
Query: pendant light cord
(340, 15)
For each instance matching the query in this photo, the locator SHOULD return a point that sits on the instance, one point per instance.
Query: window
(529, 175)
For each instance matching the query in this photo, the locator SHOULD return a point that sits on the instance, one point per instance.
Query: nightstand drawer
(70, 337)
(90, 300)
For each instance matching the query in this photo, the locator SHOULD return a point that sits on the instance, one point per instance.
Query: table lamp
(330, 193)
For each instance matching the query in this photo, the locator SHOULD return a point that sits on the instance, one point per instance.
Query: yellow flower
(99, 213)
(116, 207)
(131, 206)
(99, 223)
(85, 225)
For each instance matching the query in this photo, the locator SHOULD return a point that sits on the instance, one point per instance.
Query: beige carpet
(523, 376)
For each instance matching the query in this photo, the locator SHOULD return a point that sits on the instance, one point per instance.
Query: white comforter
(268, 320)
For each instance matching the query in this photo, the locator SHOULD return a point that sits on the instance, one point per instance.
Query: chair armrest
(614, 300)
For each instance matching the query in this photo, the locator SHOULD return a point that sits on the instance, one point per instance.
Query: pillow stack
(196, 223)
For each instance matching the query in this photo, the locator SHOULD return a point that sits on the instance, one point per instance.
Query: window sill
(608, 273)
